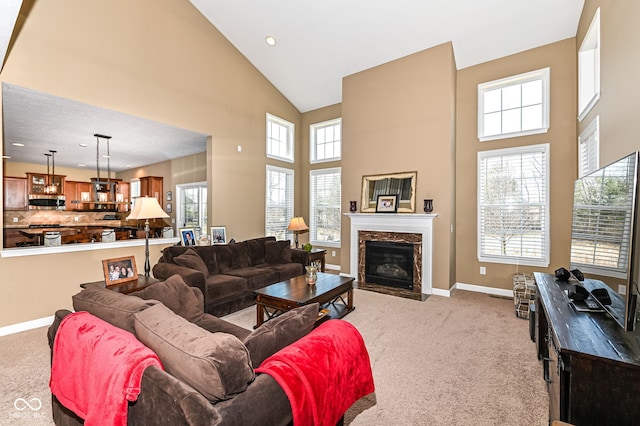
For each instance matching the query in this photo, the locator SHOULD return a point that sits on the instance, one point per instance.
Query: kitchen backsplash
(24, 218)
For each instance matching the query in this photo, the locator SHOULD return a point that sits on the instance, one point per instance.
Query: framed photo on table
(218, 234)
(119, 270)
(387, 204)
(188, 236)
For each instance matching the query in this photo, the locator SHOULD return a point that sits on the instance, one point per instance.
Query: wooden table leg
(259, 314)
(350, 299)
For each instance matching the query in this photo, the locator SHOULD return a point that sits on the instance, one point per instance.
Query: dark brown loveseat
(228, 274)
(201, 354)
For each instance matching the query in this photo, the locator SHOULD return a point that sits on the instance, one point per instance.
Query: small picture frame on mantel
(387, 204)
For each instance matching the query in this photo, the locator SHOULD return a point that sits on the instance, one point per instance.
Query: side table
(129, 287)
(317, 258)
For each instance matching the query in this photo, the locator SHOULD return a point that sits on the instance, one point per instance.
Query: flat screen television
(605, 234)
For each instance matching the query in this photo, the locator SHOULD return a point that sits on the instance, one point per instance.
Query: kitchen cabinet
(73, 192)
(37, 183)
(15, 193)
(151, 186)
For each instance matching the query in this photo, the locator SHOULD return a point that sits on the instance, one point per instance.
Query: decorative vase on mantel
(428, 206)
(353, 207)
(312, 275)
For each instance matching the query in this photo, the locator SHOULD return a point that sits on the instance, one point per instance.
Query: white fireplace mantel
(395, 222)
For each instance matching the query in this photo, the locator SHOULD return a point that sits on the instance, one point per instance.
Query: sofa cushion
(221, 286)
(255, 247)
(240, 255)
(176, 295)
(191, 259)
(115, 308)
(277, 251)
(287, 271)
(224, 257)
(281, 331)
(208, 254)
(215, 364)
(257, 277)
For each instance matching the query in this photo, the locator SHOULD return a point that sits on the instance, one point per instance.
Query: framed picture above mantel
(402, 185)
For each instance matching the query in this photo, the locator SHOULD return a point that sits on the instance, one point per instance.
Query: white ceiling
(43, 122)
(320, 42)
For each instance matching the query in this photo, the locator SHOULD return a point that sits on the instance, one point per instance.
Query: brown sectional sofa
(203, 356)
(228, 274)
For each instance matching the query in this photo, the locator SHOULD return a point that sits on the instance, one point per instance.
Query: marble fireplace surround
(394, 223)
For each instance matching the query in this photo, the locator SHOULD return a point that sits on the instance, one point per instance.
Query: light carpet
(464, 360)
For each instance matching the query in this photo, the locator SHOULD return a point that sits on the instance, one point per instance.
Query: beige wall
(619, 83)
(561, 58)
(399, 117)
(159, 60)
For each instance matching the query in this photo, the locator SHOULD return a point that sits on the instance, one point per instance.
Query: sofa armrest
(263, 403)
(53, 328)
(193, 278)
(300, 256)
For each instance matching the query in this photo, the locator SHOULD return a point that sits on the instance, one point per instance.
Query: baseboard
(27, 325)
(332, 267)
(483, 289)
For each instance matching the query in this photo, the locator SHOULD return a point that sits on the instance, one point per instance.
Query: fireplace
(389, 263)
(415, 230)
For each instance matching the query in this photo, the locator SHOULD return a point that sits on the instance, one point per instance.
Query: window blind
(279, 201)
(324, 208)
(513, 206)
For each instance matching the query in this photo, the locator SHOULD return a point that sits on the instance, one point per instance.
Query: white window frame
(543, 259)
(589, 68)
(314, 205)
(313, 141)
(134, 191)
(543, 75)
(202, 206)
(288, 140)
(589, 148)
(281, 233)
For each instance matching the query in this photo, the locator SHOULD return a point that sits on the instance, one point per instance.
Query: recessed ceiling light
(82, 165)
(5, 157)
(270, 40)
(17, 144)
(84, 145)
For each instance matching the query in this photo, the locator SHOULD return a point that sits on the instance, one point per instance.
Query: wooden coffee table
(329, 292)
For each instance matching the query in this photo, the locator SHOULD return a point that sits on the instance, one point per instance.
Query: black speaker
(577, 292)
(563, 274)
(602, 295)
(578, 274)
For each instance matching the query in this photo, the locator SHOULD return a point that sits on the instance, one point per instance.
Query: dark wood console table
(591, 365)
(128, 287)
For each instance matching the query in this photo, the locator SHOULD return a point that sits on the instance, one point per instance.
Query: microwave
(46, 202)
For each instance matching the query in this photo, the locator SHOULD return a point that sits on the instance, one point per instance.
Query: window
(326, 141)
(324, 210)
(588, 147)
(279, 138)
(514, 106)
(134, 192)
(589, 68)
(191, 208)
(513, 214)
(279, 201)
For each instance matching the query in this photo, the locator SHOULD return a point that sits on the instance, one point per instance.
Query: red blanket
(96, 368)
(323, 373)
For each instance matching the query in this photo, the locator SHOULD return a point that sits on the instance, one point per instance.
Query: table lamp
(298, 226)
(147, 208)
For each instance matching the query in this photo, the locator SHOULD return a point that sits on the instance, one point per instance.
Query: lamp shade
(297, 224)
(147, 208)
